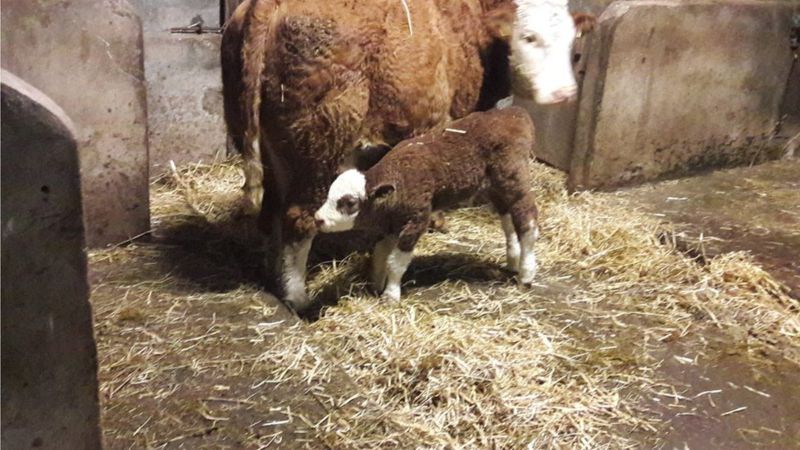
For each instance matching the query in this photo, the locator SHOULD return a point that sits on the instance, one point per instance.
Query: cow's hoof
(391, 295)
(298, 303)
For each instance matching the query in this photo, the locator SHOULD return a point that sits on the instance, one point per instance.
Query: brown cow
(313, 87)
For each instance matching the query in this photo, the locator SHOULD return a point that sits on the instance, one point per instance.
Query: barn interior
(665, 315)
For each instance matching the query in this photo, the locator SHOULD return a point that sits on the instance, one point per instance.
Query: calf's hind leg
(512, 243)
(524, 217)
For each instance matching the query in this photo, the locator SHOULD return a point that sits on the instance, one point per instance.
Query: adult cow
(311, 85)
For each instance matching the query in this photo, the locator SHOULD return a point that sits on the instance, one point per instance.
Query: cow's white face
(345, 197)
(541, 48)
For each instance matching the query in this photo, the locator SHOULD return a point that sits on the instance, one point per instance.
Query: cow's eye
(530, 38)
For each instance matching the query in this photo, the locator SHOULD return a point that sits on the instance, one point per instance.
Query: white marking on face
(541, 47)
(345, 196)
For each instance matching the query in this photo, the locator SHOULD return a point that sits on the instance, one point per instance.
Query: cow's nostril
(319, 223)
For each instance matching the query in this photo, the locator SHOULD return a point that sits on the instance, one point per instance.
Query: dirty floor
(753, 209)
(194, 353)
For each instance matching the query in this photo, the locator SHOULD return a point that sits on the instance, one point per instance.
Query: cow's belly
(421, 81)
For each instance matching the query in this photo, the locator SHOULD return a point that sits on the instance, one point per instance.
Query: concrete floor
(757, 210)
(754, 209)
(196, 399)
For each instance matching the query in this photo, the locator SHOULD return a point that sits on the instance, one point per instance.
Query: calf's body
(441, 169)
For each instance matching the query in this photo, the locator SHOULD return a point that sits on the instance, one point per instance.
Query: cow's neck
(496, 83)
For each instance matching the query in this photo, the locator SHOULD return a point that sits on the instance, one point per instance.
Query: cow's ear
(584, 23)
(382, 190)
(500, 21)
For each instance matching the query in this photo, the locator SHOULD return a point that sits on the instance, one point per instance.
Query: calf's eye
(347, 204)
(530, 39)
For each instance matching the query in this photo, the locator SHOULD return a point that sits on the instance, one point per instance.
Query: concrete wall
(87, 56)
(184, 83)
(673, 87)
(49, 367)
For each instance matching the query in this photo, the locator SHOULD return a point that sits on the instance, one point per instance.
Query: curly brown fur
(443, 168)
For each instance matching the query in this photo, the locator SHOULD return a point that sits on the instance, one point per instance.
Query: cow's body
(310, 83)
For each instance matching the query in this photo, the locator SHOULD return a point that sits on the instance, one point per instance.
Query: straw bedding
(467, 359)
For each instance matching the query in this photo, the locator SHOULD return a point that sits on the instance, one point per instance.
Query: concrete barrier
(673, 87)
(49, 367)
(87, 56)
(184, 84)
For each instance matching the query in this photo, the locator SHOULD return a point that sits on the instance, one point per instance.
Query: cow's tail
(258, 27)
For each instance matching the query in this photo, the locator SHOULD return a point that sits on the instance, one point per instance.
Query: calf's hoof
(298, 302)
(438, 222)
(512, 264)
(526, 279)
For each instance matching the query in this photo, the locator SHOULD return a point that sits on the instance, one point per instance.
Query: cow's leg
(293, 261)
(512, 243)
(380, 258)
(298, 234)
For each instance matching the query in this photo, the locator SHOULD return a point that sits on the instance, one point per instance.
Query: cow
(315, 87)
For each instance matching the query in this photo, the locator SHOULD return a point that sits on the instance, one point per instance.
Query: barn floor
(629, 340)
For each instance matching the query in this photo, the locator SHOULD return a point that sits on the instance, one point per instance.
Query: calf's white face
(541, 48)
(343, 204)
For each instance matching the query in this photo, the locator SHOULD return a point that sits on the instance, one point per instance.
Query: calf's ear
(381, 191)
(584, 23)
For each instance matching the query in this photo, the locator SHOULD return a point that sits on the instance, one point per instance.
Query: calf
(436, 170)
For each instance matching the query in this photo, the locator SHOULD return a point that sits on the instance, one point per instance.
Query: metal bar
(196, 30)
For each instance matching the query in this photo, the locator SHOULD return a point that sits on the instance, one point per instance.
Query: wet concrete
(729, 399)
(754, 209)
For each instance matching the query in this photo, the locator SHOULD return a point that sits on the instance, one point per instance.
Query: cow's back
(355, 70)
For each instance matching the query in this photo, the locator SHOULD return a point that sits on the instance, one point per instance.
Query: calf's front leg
(403, 252)
(396, 264)
(380, 258)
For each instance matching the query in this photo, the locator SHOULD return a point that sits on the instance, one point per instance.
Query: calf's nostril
(319, 223)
